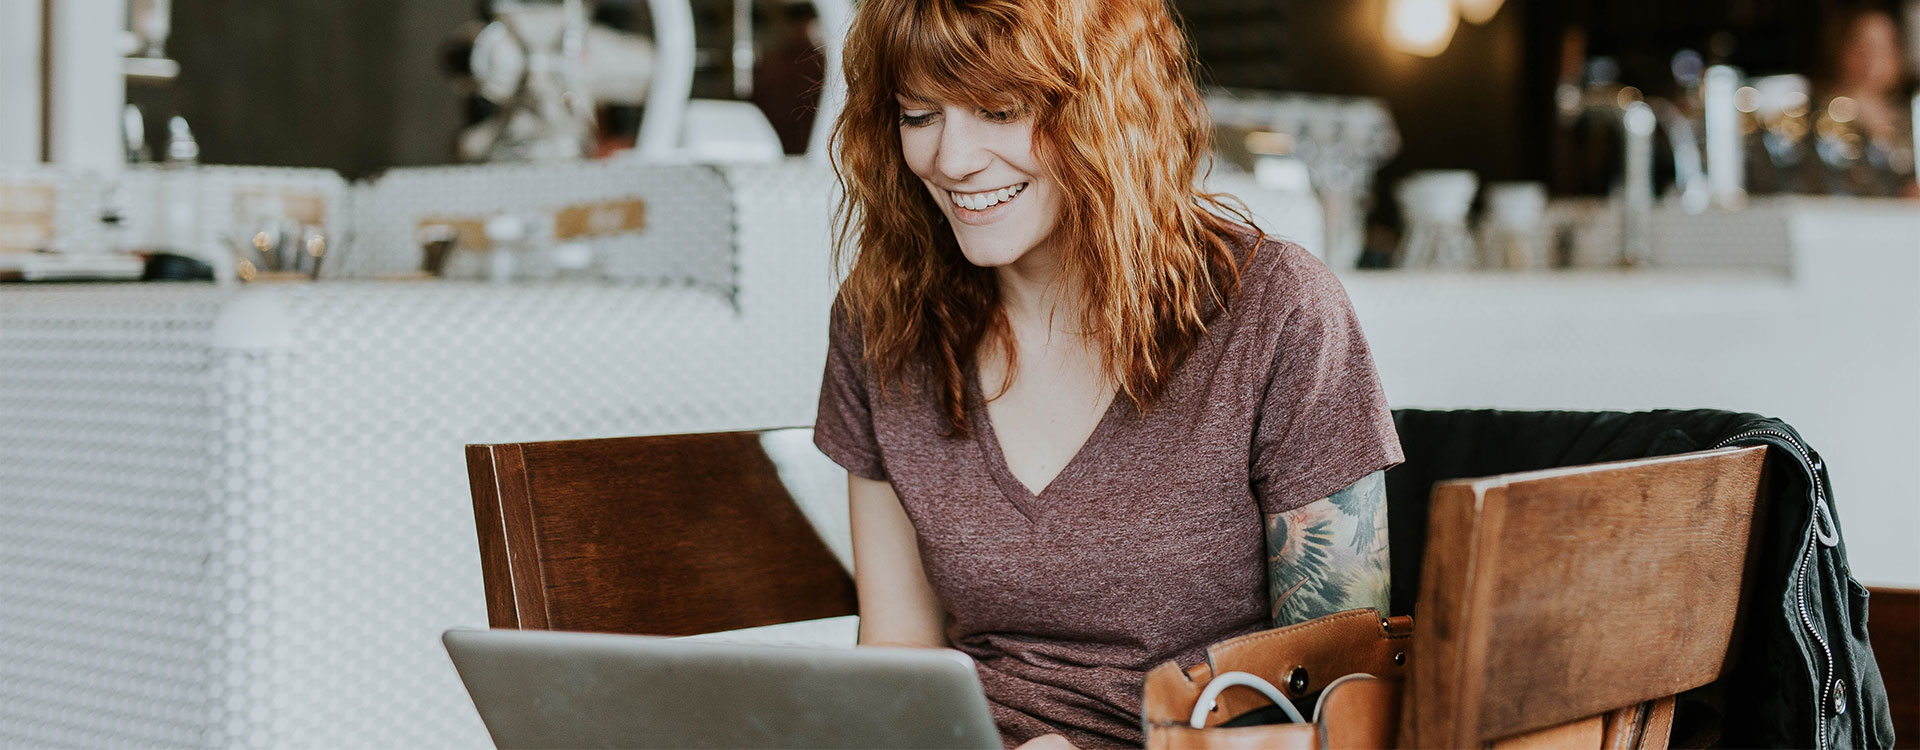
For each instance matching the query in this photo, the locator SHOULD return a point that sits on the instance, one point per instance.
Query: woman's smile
(983, 207)
(981, 170)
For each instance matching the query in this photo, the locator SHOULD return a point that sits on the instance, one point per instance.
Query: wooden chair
(663, 535)
(1566, 607)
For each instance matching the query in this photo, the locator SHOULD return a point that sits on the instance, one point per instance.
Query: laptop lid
(547, 689)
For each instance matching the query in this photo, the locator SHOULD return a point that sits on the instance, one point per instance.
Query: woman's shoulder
(1278, 275)
(846, 335)
(846, 323)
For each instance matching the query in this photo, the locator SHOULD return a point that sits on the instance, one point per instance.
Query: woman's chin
(991, 256)
(994, 252)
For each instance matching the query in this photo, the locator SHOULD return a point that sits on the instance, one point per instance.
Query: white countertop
(1829, 342)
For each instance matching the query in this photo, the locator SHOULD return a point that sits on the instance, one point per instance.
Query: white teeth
(983, 201)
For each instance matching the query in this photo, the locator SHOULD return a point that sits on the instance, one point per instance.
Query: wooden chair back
(660, 535)
(1550, 599)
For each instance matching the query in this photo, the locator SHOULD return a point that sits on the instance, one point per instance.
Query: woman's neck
(1037, 295)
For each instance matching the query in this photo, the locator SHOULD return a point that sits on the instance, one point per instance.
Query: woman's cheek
(916, 148)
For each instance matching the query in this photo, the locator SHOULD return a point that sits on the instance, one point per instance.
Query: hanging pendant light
(1478, 11)
(1421, 27)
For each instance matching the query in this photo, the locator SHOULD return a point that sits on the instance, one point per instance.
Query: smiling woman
(1092, 420)
(1090, 99)
(976, 163)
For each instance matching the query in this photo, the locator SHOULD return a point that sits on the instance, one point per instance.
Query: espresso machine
(547, 67)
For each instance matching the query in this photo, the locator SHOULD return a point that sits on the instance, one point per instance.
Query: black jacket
(1798, 680)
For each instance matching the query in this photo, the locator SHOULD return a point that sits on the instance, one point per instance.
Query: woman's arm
(897, 606)
(1330, 555)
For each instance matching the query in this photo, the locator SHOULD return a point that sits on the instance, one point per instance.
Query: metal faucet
(1690, 178)
(1638, 121)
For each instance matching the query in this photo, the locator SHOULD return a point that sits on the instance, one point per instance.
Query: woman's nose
(962, 148)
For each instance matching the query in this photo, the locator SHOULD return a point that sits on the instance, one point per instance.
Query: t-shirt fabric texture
(1149, 544)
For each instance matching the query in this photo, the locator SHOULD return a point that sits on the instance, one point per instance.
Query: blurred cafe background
(269, 264)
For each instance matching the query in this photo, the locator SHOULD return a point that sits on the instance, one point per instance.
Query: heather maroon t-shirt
(1148, 545)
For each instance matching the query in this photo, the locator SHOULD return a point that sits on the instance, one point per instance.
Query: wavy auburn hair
(1120, 126)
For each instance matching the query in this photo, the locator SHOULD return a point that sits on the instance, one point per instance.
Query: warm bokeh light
(1626, 96)
(1421, 27)
(1843, 109)
(1479, 11)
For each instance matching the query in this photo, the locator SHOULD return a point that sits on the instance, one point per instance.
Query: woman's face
(1870, 61)
(980, 168)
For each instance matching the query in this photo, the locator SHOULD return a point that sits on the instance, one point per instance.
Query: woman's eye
(908, 119)
(1004, 115)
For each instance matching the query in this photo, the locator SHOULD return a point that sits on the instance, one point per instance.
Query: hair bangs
(979, 54)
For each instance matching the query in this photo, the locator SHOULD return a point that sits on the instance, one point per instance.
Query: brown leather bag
(1355, 660)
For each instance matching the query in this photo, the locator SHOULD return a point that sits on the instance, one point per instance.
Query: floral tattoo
(1330, 555)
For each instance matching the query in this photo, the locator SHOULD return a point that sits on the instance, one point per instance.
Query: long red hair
(1118, 124)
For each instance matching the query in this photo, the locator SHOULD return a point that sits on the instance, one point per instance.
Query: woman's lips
(977, 217)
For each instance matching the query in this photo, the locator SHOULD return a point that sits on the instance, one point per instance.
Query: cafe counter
(237, 516)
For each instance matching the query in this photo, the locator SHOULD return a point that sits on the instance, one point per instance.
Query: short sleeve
(1323, 421)
(843, 428)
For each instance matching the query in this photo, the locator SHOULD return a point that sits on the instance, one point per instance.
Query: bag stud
(1297, 682)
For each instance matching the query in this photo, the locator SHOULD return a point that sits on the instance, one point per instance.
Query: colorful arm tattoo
(1330, 555)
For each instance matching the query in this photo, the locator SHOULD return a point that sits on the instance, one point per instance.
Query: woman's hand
(1047, 742)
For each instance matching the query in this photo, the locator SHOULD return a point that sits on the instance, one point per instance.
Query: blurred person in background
(1864, 134)
(786, 79)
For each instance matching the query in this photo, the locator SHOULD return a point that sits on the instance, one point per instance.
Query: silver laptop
(544, 689)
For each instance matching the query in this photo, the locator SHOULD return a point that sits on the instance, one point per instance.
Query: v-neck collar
(1029, 502)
